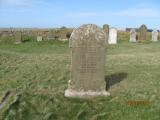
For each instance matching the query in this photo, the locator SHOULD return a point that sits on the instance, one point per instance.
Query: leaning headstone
(112, 36)
(18, 37)
(143, 33)
(132, 35)
(88, 45)
(106, 29)
(154, 35)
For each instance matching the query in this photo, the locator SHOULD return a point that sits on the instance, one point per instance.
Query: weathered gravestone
(154, 35)
(88, 45)
(106, 29)
(132, 35)
(39, 37)
(143, 33)
(18, 37)
(112, 36)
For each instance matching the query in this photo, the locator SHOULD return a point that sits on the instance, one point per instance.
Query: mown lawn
(36, 74)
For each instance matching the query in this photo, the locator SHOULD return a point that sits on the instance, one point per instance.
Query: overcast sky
(73, 13)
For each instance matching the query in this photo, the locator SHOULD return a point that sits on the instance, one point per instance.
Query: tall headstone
(112, 36)
(18, 37)
(106, 29)
(143, 33)
(154, 35)
(88, 45)
(133, 35)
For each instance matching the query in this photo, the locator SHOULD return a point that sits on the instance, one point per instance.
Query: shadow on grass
(114, 79)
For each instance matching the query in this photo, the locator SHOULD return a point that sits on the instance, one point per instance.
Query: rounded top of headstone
(132, 30)
(88, 35)
(143, 26)
(105, 26)
(113, 29)
(155, 30)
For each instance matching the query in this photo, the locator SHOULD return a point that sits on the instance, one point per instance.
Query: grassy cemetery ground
(33, 76)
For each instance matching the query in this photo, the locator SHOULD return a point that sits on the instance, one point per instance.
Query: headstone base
(85, 94)
(154, 41)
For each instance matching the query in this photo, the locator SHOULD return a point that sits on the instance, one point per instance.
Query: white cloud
(14, 3)
(139, 12)
(133, 12)
(83, 14)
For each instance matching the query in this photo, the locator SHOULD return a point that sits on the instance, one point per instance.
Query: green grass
(38, 73)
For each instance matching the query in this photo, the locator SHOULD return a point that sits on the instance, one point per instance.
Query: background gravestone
(88, 45)
(51, 35)
(106, 29)
(18, 37)
(132, 35)
(154, 35)
(143, 33)
(39, 37)
(112, 36)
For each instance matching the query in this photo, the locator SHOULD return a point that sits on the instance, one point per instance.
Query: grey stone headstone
(88, 45)
(133, 35)
(18, 37)
(112, 36)
(143, 33)
(154, 35)
(106, 29)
